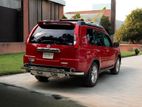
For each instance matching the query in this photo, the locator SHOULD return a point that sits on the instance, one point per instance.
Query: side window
(107, 41)
(98, 40)
(89, 35)
(94, 37)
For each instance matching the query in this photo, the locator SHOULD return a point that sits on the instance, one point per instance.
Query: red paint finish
(78, 56)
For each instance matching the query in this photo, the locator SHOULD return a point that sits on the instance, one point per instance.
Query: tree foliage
(64, 17)
(131, 30)
(105, 22)
(77, 16)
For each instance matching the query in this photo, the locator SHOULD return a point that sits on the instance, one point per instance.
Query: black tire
(92, 76)
(41, 79)
(116, 68)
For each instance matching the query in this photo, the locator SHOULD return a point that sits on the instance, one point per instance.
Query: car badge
(48, 46)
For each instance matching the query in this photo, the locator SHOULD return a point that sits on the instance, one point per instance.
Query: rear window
(54, 34)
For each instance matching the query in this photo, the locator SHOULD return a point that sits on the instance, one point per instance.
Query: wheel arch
(119, 56)
(97, 62)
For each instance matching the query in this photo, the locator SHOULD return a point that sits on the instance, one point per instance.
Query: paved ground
(123, 90)
(11, 96)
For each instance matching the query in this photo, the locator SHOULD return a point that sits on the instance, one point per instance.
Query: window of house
(11, 21)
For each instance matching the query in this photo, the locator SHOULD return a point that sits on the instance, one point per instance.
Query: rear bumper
(62, 62)
(51, 71)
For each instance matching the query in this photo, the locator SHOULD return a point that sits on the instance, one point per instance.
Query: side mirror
(115, 44)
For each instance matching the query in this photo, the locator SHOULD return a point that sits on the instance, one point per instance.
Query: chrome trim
(53, 70)
(52, 50)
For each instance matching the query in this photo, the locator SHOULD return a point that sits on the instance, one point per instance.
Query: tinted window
(98, 38)
(107, 41)
(53, 35)
(90, 35)
(95, 37)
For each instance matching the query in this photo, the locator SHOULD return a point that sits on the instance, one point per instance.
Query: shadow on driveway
(11, 96)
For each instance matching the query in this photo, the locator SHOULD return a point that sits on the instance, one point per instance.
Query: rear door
(98, 42)
(93, 47)
(53, 41)
(110, 51)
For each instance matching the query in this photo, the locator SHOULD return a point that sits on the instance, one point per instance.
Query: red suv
(70, 48)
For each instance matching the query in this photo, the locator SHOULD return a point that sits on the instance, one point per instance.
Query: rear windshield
(62, 35)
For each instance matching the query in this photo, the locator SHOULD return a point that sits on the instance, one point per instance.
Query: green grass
(11, 63)
(128, 53)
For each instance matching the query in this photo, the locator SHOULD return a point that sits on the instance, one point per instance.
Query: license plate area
(48, 55)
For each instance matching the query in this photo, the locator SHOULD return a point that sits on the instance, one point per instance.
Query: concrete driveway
(123, 90)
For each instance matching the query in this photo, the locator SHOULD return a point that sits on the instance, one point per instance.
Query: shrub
(137, 51)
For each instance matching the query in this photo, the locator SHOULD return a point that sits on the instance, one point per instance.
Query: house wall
(43, 10)
(90, 14)
(14, 47)
(11, 21)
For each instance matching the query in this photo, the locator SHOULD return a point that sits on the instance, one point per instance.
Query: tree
(64, 17)
(119, 33)
(77, 16)
(105, 22)
(131, 29)
(98, 16)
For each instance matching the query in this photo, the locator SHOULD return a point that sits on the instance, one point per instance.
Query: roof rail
(72, 20)
(93, 24)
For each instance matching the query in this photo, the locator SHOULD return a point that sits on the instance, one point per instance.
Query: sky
(123, 7)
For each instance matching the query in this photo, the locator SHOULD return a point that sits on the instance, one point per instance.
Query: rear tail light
(76, 44)
(75, 40)
(31, 60)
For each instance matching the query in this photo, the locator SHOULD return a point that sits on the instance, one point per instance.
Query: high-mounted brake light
(75, 40)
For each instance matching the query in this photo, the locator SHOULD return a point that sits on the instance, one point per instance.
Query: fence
(130, 47)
